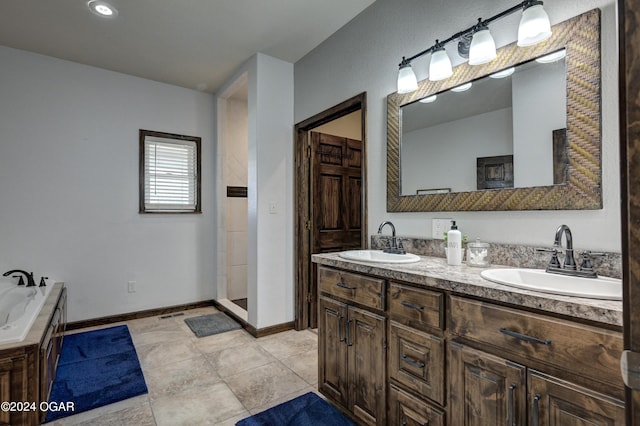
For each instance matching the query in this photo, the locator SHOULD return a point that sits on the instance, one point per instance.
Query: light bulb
(440, 65)
(483, 48)
(462, 87)
(534, 25)
(429, 99)
(407, 81)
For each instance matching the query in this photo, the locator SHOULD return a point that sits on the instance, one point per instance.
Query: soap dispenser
(454, 245)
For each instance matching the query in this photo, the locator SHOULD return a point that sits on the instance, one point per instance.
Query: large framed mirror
(530, 140)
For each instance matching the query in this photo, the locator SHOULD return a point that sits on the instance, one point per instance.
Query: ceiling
(196, 44)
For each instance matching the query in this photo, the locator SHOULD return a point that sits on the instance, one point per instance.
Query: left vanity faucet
(28, 275)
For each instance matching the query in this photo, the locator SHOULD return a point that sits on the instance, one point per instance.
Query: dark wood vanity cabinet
(51, 348)
(351, 342)
(423, 356)
(28, 368)
(500, 380)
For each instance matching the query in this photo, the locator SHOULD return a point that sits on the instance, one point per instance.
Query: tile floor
(214, 380)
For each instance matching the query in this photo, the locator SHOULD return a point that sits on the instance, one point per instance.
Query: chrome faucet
(569, 267)
(394, 247)
(569, 260)
(29, 275)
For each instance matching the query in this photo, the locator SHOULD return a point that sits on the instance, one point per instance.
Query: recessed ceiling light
(429, 99)
(503, 73)
(552, 57)
(462, 87)
(102, 9)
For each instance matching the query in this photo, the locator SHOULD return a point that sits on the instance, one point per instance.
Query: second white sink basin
(378, 256)
(604, 288)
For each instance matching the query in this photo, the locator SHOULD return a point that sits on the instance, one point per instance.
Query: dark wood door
(485, 390)
(332, 350)
(367, 372)
(554, 402)
(629, 88)
(337, 192)
(336, 201)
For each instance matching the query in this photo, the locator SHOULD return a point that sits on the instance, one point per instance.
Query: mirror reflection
(506, 130)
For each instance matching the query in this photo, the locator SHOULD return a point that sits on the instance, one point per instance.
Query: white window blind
(170, 174)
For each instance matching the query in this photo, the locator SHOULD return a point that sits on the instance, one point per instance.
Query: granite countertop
(434, 272)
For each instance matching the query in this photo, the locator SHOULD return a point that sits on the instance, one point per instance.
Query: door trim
(629, 55)
(302, 190)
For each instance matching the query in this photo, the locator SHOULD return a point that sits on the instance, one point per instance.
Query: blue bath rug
(96, 368)
(306, 410)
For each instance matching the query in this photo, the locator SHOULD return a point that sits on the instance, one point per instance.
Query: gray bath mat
(207, 325)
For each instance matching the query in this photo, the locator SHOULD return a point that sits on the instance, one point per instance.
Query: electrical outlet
(273, 207)
(439, 227)
(131, 286)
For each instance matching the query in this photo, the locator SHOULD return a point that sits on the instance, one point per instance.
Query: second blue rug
(96, 368)
(306, 410)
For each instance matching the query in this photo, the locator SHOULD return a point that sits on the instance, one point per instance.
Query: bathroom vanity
(425, 343)
(28, 367)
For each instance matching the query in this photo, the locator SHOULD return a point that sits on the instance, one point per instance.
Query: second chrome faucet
(569, 266)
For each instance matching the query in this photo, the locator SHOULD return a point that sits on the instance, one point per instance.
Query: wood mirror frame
(581, 38)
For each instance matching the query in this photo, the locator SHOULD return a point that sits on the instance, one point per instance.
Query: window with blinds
(169, 173)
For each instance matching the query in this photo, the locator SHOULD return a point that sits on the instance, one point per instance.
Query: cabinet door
(407, 410)
(366, 341)
(554, 402)
(332, 350)
(416, 360)
(485, 390)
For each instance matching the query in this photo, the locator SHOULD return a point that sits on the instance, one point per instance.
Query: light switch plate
(439, 227)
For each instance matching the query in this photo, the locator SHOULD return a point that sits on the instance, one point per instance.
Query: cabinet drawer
(416, 360)
(356, 288)
(407, 410)
(576, 348)
(417, 308)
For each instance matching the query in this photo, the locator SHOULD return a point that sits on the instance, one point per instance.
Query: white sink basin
(538, 280)
(378, 256)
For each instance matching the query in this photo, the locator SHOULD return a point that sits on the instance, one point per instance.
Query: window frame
(142, 208)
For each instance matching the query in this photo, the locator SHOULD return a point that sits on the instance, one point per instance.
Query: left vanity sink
(378, 256)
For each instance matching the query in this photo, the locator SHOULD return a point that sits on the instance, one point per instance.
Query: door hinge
(309, 297)
(308, 151)
(308, 225)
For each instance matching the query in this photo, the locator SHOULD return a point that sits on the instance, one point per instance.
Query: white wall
(539, 99)
(69, 186)
(235, 174)
(491, 134)
(364, 56)
(270, 290)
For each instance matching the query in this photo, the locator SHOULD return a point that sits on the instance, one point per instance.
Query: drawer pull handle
(536, 411)
(512, 405)
(341, 285)
(412, 306)
(524, 337)
(412, 362)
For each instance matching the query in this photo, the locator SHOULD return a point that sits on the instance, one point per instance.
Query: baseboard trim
(137, 315)
(260, 332)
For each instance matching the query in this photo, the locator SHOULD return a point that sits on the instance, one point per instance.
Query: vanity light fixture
(504, 73)
(462, 87)
(102, 9)
(534, 25)
(483, 47)
(407, 81)
(552, 57)
(440, 64)
(477, 44)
